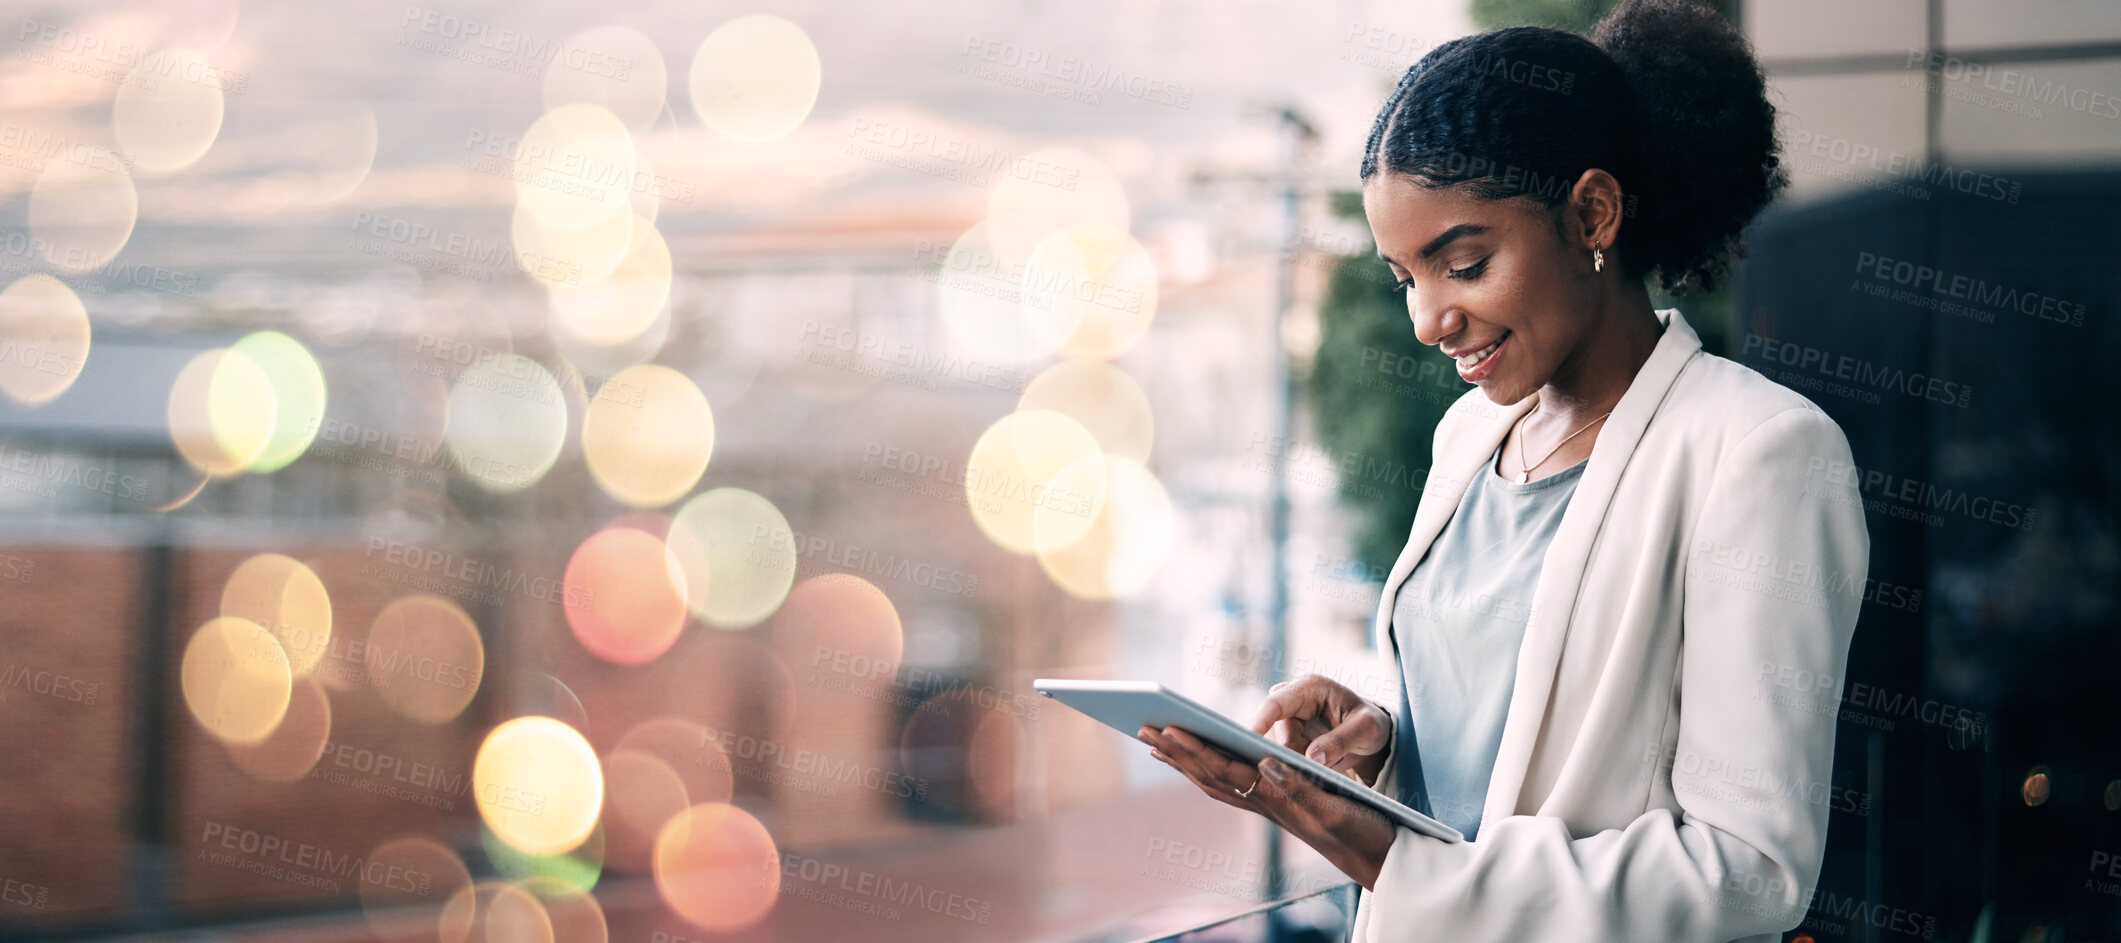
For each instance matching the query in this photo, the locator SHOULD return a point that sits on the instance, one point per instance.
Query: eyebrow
(1436, 245)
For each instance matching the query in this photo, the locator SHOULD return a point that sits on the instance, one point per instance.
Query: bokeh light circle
(558, 254)
(287, 599)
(979, 286)
(222, 412)
(298, 396)
(507, 422)
(623, 303)
(648, 435)
(717, 867)
(1126, 542)
(168, 110)
(294, 746)
(1010, 480)
(845, 629)
(755, 78)
(235, 680)
(574, 165)
(425, 658)
(1103, 398)
(629, 595)
(410, 909)
(83, 210)
(737, 570)
(1101, 282)
(538, 785)
(44, 329)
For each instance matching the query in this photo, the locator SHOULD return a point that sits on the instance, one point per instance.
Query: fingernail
(1317, 754)
(1158, 755)
(1274, 770)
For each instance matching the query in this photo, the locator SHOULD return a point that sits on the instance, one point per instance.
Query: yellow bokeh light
(1010, 480)
(646, 196)
(430, 875)
(755, 78)
(287, 599)
(1103, 398)
(294, 746)
(83, 209)
(44, 339)
(298, 396)
(507, 422)
(717, 867)
(1125, 544)
(1102, 283)
(624, 302)
(425, 658)
(632, 593)
(538, 785)
(736, 571)
(1097, 198)
(222, 412)
(575, 165)
(576, 916)
(648, 435)
(495, 912)
(558, 254)
(235, 680)
(612, 67)
(979, 288)
(168, 111)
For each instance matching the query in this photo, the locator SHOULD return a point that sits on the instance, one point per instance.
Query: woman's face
(1477, 272)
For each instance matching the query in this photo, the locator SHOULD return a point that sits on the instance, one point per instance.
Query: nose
(1434, 316)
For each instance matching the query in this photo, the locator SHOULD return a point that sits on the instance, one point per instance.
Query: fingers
(1285, 701)
(1207, 768)
(1359, 734)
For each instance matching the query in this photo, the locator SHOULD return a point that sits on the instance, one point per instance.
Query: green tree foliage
(1376, 394)
(1576, 16)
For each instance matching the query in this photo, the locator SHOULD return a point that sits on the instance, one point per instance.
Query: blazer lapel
(1561, 573)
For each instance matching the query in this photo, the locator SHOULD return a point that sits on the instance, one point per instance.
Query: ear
(1596, 208)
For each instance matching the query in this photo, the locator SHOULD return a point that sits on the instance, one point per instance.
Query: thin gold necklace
(1525, 473)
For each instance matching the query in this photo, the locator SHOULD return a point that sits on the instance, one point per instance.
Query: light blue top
(1457, 621)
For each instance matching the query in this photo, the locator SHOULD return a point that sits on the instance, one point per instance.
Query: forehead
(1394, 202)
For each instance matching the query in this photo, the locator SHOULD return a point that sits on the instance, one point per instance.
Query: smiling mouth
(1469, 361)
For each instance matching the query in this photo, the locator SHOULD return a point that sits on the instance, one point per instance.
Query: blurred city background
(585, 472)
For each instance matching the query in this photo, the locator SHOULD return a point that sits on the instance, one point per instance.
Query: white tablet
(1128, 706)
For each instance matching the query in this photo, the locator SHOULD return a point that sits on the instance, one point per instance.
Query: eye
(1403, 284)
(1470, 272)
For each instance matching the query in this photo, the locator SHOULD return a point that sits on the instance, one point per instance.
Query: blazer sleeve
(1773, 571)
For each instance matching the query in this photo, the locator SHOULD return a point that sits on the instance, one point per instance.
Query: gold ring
(1247, 794)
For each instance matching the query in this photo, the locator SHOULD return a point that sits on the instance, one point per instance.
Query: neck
(1617, 342)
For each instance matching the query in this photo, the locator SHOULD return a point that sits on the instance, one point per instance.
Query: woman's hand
(1350, 835)
(1328, 722)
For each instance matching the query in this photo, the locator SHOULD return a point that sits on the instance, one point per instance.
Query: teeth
(1474, 358)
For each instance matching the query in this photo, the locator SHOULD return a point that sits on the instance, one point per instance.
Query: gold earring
(1597, 259)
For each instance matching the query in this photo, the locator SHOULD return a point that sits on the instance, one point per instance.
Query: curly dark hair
(1666, 96)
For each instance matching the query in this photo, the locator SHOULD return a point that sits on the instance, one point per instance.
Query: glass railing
(1317, 917)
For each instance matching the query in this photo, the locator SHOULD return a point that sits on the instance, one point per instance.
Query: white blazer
(1664, 772)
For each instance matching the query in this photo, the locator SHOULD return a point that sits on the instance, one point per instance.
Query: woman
(1625, 605)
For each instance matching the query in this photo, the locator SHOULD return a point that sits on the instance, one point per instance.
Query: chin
(1504, 394)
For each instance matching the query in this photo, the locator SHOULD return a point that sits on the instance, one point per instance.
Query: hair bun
(1708, 149)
